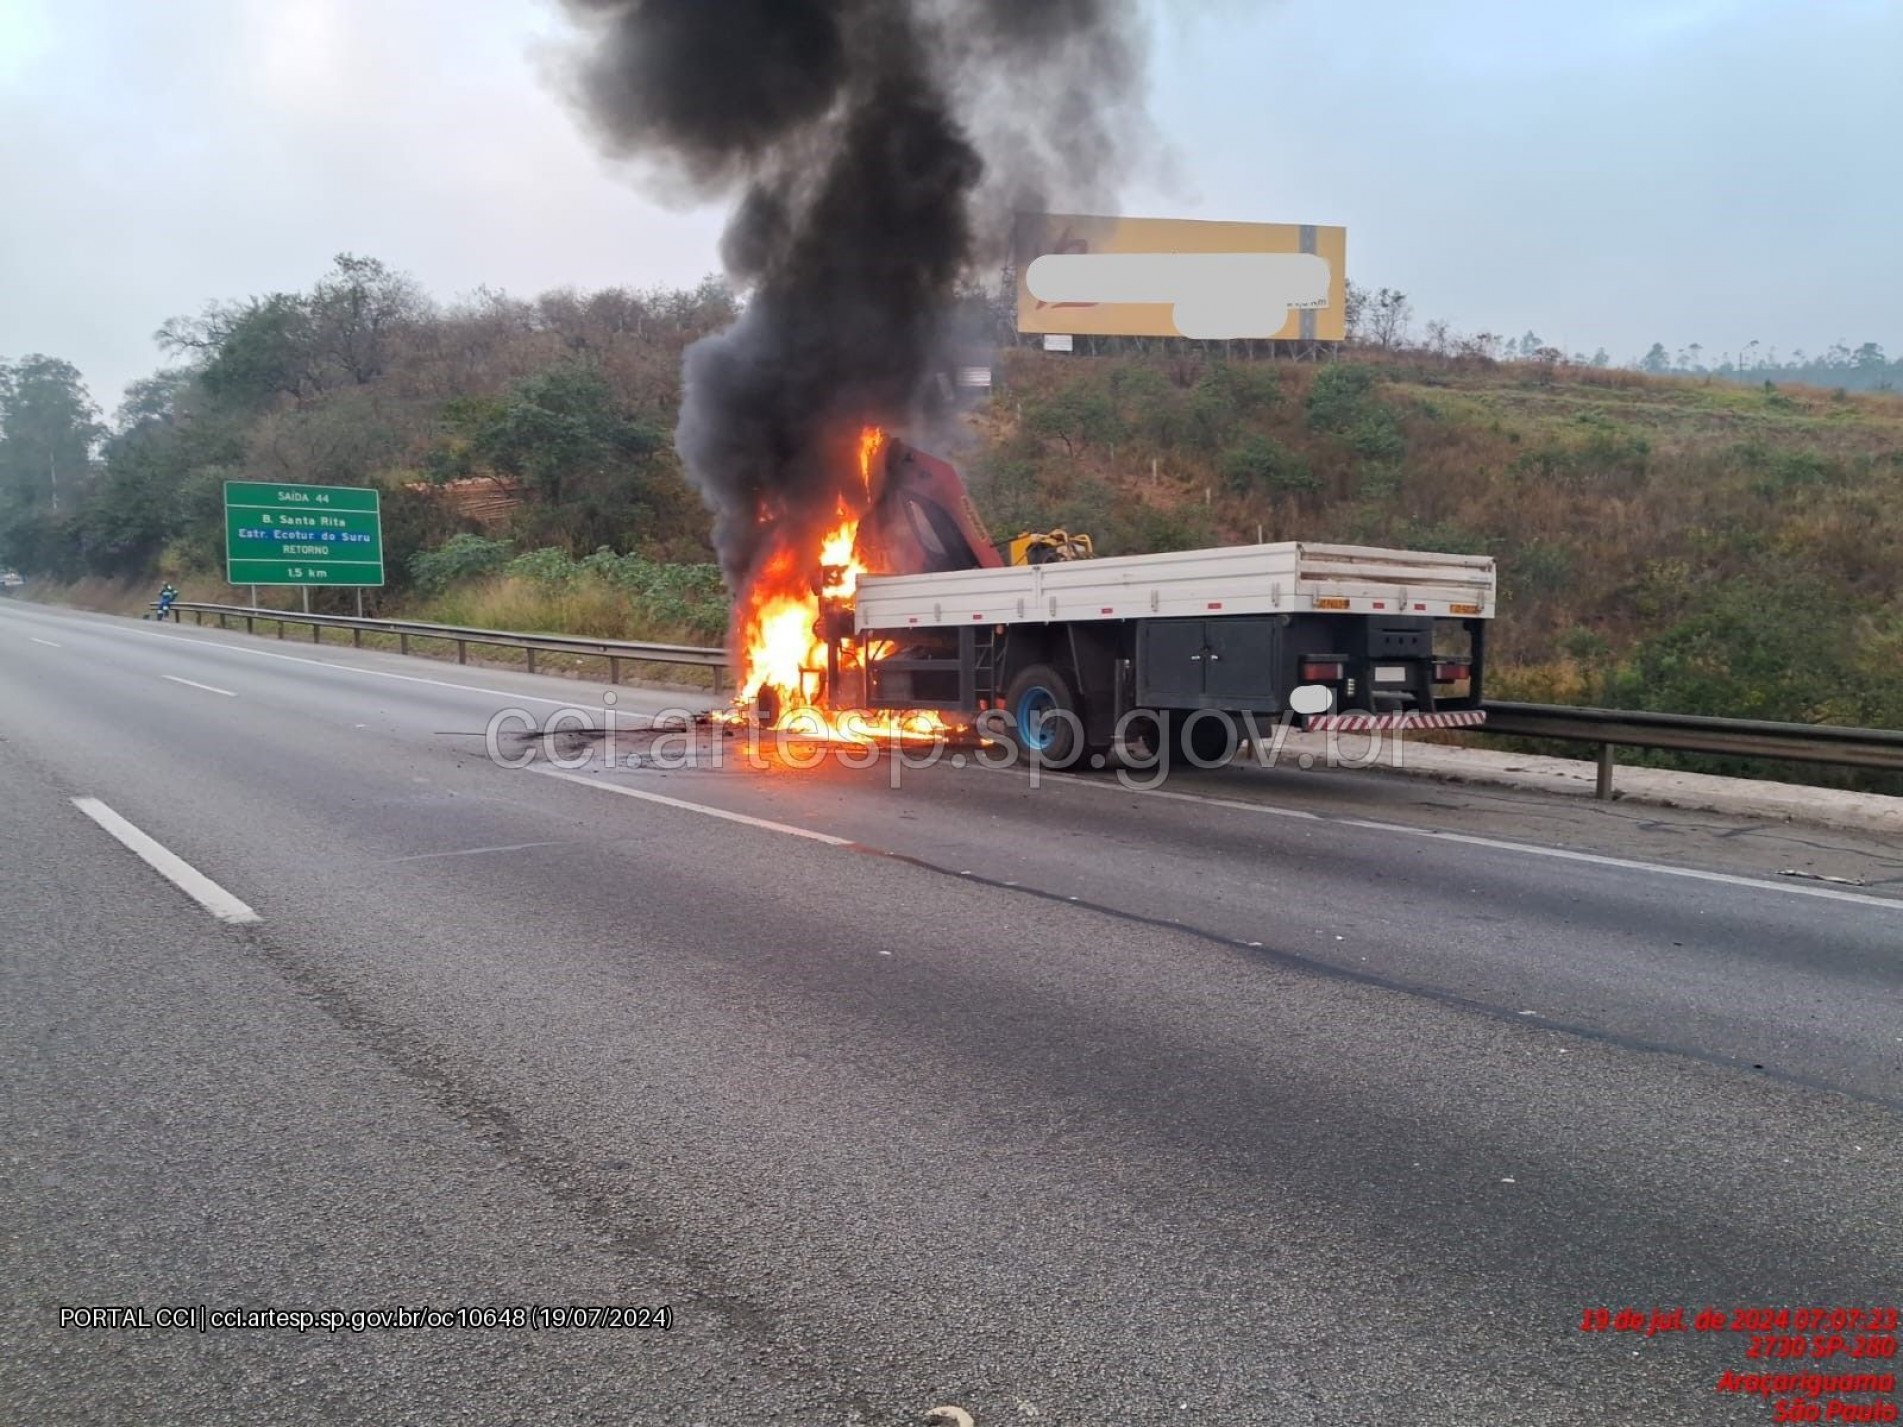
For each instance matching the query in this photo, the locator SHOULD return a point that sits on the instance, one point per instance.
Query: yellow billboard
(1180, 277)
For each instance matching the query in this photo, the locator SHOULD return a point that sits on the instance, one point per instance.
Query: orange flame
(781, 644)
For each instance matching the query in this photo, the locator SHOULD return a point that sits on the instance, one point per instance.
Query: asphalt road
(1263, 1096)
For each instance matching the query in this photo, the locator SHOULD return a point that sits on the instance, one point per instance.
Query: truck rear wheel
(1045, 719)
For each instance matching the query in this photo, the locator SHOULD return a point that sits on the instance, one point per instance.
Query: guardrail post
(280, 628)
(614, 670)
(530, 652)
(251, 624)
(356, 639)
(462, 651)
(719, 673)
(1603, 791)
(317, 634)
(403, 644)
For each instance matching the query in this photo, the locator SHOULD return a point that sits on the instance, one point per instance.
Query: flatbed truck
(1190, 648)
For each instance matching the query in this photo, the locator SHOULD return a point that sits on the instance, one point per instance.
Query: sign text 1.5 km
(302, 535)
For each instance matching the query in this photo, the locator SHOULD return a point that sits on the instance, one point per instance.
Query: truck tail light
(1323, 671)
(1451, 671)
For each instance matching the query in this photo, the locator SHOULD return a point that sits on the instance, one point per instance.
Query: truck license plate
(1390, 674)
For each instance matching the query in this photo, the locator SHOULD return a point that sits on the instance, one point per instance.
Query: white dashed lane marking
(169, 865)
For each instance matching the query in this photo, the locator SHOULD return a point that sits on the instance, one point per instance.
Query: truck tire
(1204, 738)
(1045, 720)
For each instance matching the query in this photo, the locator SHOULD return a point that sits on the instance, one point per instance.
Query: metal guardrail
(614, 651)
(1610, 729)
(1697, 733)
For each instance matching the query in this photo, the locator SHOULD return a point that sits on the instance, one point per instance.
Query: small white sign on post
(1057, 342)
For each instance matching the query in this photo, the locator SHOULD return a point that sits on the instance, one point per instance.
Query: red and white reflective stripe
(1368, 722)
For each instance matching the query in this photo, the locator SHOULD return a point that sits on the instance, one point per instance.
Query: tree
(1340, 395)
(250, 353)
(587, 458)
(1388, 315)
(48, 430)
(1354, 311)
(151, 401)
(161, 479)
(1260, 464)
(1656, 360)
(1080, 414)
(356, 311)
(253, 353)
(1482, 345)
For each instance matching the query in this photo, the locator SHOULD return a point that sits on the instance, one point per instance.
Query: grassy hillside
(1663, 542)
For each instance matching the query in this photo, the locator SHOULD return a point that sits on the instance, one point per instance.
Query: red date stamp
(1831, 1363)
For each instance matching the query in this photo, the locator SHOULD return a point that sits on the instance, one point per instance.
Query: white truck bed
(1288, 577)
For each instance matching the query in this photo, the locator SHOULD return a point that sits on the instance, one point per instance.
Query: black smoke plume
(876, 149)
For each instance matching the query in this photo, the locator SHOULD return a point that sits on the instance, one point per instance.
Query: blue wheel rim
(1033, 727)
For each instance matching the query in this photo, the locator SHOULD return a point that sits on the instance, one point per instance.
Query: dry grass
(1609, 497)
(588, 607)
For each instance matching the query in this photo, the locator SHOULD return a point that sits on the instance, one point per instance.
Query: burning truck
(905, 621)
(874, 152)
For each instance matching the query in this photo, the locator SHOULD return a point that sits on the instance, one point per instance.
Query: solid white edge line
(169, 865)
(686, 806)
(1241, 804)
(47, 642)
(1600, 859)
(1758, 884)
(194, 684)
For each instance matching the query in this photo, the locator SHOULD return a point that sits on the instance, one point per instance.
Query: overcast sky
(1608, 174)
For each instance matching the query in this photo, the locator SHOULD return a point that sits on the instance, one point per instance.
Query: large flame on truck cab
(782, 618)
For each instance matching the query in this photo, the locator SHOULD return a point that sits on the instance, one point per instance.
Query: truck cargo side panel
(1285, 578)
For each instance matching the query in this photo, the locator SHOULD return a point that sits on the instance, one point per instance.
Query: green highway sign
(302, 535)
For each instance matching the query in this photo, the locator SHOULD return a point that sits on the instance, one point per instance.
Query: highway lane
(1279, 858)
(914, 1137)
(184, 1126)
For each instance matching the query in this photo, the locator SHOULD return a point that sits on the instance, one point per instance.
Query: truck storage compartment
(1233, 664)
